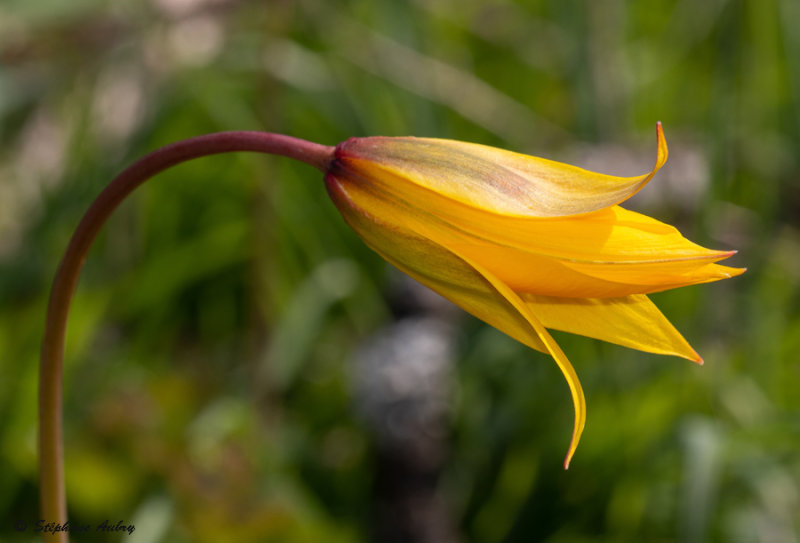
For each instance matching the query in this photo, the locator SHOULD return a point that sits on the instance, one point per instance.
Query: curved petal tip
(577, 430)
(569, 456)
(661, 142)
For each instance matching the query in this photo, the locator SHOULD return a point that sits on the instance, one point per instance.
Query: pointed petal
(578, 399)
(609, 253)
(649, 277)
(631, 321)
(482, 177)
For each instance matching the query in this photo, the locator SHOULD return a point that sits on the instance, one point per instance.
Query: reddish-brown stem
(51, 463)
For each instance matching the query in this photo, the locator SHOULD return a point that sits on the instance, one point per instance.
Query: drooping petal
(463, 282)
(482, 177)
(578, 399)
(631, 321)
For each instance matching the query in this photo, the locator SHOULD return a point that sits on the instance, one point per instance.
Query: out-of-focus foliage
(209, 376)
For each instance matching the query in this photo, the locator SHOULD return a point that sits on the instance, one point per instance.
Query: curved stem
(51, 464)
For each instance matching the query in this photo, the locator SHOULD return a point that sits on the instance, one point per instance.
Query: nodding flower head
(522, 243)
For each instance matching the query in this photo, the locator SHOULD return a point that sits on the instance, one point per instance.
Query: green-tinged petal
(486, 178)
(631, 321)
(464, 282)
(611, 252)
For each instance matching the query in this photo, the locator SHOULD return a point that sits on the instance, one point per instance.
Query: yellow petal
(648, 277)
(487, 178)
(608, 253)
(464, 282)
(578, 399)
(631, 321)
(429, 263)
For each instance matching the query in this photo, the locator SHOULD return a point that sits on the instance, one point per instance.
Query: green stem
(52, 491)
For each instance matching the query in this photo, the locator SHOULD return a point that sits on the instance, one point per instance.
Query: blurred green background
(212, 384)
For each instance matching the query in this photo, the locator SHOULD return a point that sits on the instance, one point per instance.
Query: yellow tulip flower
(522, 243)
